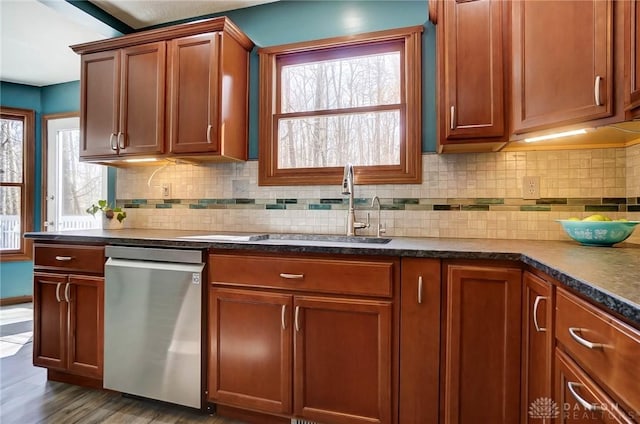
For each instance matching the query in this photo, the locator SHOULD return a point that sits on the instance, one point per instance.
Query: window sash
(26, 187)
(271, 61)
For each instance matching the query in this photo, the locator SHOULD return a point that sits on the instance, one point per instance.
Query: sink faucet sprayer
(347, 189)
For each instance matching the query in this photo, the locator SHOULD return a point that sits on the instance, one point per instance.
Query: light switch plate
(531, 187)
(166, 190)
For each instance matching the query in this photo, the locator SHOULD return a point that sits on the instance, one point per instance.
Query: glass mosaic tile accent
(609, 204)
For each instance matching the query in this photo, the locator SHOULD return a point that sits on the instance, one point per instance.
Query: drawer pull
(573, 331)
(282, 314)
(292, 276)
(296, 319)
(58, 293)
(420, 289)
(64, 258)
(535, 314)
(66, 293)
(592, 407)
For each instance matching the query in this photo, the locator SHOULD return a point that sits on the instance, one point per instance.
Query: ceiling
(35, 35)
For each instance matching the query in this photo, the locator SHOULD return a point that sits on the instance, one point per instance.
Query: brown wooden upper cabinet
(471, 83)
(632, 58)
(176, 91)
(122, 110)
(562, 63)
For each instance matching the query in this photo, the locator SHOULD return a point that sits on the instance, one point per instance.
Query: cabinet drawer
(339, 276)
(69, 258)
(606, 348)
(580, 398)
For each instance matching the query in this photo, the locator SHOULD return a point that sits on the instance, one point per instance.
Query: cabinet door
(537, 342)
(142, 100)
(472, 74)
(99, 107)
(632, 57)
(84, 297)
(342, 360)
(578, 399)
(481, 344)
(419, 341)
(49, 320)
(250, 349)
(562, 63)
(194, 78)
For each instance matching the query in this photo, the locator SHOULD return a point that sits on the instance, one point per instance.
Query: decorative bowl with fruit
(598, 230)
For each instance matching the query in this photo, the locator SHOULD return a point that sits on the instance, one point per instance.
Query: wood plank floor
(26, 397)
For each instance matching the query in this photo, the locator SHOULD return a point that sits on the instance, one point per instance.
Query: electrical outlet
(166, 190)
(530, 187)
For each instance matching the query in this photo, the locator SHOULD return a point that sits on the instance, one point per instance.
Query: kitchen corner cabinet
(122, 111)
(472, 45)
(308, 337)
(420, 294)
(481, 343)
(179, 91)
(632, 58)
(537, 342)
(68, 308)
(562, 63)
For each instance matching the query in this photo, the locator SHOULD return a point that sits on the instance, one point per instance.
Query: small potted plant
(112, 218)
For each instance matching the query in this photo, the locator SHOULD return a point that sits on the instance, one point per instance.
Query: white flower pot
(111, 224)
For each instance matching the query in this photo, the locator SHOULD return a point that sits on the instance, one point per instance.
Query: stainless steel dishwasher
(152, 323)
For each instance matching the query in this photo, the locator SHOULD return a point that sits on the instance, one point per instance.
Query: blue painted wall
(286, 22)
(16, 277)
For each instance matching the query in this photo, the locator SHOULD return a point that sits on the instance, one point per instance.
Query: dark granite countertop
(609, 276)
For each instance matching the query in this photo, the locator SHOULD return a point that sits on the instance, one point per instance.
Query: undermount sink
(330, 238)
(227, 237)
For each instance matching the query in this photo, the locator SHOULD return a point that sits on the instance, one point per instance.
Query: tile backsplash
(461, 195)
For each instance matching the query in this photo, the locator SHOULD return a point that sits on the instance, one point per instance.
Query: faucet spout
(347, 189)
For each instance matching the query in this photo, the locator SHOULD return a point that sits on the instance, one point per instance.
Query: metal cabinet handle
(209, 133)
(113, 145)
(292, 276)
(573, 331)
(452, 124)
(297, 315)
(592, 407)
(420, 289)
(64, 258)
(66, 293)
(57, 292)
(282, 315)
(536, 303)
(120, 141)
(596, 90)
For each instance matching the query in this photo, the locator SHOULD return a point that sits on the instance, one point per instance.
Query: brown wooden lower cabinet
(419, 341)
(481, 344)
(336, 352)
(68, 323)
(537, 342)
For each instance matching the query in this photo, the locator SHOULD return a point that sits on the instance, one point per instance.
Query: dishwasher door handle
(160, 266)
